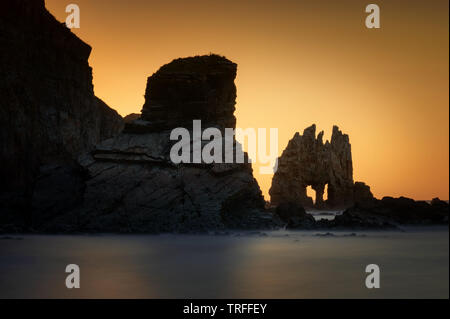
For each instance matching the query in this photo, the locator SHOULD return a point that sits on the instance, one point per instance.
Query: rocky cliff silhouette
(134, 186)
(67, 166)
(48, 111)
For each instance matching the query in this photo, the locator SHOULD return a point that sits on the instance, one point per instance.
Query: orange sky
(299, 62)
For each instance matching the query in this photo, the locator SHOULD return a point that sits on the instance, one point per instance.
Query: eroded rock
(308, 161)
(135, 187)
(200, 87)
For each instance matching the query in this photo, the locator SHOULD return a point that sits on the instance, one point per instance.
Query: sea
(413, 262)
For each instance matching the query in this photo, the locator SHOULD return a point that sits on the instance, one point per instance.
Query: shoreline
(319, 232)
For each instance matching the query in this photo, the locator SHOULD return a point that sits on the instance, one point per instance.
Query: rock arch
(308, 161)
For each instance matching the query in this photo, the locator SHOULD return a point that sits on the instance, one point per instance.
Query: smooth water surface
(278, 264)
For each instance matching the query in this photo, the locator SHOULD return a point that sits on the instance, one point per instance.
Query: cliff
(128, 182)
(133, 184)
(48, 111)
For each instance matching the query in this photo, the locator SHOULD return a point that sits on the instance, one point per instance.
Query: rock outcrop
(391, 212)
(134, 186)
(200, 87)
(362, 194)
(48, 111)
(307, 161)
(294, 216)
(49, 115)
(130, 118)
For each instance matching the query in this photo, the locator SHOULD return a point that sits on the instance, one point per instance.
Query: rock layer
(307, 161)
(48, 111)
(135, 187)
(200, 87)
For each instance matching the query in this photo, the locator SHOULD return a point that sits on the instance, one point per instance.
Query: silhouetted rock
(49, 113)
(408, 211)
(200, 87)
(58, 189)
(362, 194)
(439, 205)
(294, 215)
(308, 161)
(135, 187)
(240, 212)
(130, 118)
(355, 218)
(390, 212)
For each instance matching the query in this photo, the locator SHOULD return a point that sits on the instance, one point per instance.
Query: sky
(299, 63)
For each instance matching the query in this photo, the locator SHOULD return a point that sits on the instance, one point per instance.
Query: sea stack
(200, 88)
(134, 186)
(308, 161)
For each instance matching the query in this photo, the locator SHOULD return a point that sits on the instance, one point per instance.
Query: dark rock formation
(244, 210)
(48, 111)
(356, 219)
(130, 118)
(135, 187)
(439, 205)
(307, 161)
(49, 115)
(57, 189)
(362, 194)
(391, 212)
(294, 216)
(200, 87)
(404, 210)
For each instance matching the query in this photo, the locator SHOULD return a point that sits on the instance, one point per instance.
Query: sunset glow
(299, 63)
